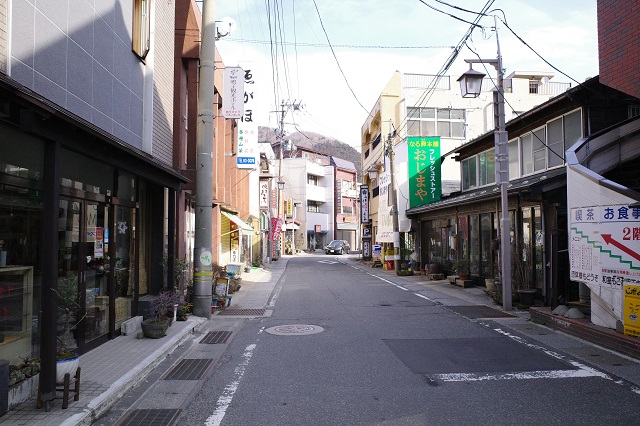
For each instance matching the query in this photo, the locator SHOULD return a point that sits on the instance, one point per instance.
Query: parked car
(337, 247)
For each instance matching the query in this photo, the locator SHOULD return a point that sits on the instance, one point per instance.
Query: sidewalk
(115, 367)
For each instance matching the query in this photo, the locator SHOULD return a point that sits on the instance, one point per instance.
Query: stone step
(464, 283)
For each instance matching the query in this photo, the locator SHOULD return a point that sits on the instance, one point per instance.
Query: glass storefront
(21, 208)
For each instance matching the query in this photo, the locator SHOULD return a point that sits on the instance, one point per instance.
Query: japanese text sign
(424, 170)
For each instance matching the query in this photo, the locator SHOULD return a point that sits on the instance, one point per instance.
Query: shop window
(141, 28)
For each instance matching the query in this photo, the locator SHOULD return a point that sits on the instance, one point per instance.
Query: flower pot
(490, 283)
(154, 328)
(67, 365)
(527, 296)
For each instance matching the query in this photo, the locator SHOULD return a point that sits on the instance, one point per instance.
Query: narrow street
(342, 343)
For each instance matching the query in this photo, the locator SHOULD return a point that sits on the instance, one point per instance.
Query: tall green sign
(425, 185)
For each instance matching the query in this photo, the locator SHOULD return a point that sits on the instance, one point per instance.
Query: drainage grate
(216, 337)
(479, 311)
(149, 417)
(189, 369)
(243, 312)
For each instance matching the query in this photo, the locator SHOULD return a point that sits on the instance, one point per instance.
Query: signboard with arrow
(605, 245)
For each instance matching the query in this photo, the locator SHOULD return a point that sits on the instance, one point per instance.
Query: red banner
(276, 227)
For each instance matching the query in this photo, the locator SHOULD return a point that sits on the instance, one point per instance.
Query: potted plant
(160, 315)
(67, 359)
(182, 313)
(463, 269)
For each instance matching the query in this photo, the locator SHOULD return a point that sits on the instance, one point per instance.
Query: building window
(514, 159)
(312, 180)
(348, 210)
(634, 110)
(141, 28)
(445, 122)
(313, 206)
(487, 167)
(469, 175)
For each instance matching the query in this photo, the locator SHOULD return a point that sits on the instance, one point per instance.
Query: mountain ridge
(317, 142)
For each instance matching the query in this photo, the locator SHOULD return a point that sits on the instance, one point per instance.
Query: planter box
(23, 391)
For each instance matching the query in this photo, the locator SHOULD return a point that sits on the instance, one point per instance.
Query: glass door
(69, 272)
(124, 242)
(96, 276)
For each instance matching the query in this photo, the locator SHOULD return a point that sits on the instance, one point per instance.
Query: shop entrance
(83, 274)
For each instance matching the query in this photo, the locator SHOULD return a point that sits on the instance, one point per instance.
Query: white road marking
(272, 302)
(328, 262)
(227, 395)
(584, 371)
(425, 297)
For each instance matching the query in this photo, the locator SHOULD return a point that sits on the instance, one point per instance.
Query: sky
(372, 39)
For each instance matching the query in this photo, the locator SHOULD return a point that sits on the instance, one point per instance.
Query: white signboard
(264, 194)
(233, 93)
(248, 151)
(605, 245)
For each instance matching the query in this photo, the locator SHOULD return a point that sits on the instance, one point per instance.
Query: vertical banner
(248, 151)
(289, 207)
(264, 194)
(232, 92)
(364, 204)
(423, 156)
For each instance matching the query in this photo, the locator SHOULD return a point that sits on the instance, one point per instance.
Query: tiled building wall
(619, 50)
(163, 45)
(80, 58)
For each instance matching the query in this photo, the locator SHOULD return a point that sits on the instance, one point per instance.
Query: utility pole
(203, 258)
(284, 107)
(394, 201)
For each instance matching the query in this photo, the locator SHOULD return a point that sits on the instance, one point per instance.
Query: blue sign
(246, 160)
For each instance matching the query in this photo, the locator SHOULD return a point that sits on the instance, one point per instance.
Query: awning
(245, 227)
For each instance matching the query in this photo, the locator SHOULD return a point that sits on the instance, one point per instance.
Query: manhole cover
(294, 330)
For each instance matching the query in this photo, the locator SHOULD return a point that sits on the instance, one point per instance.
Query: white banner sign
(233, 93)
(248, 150)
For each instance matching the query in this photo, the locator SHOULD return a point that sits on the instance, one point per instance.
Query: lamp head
(471, 83)
(280, 184)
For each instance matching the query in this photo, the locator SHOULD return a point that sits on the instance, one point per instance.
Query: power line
(336, 58)
(343, 46)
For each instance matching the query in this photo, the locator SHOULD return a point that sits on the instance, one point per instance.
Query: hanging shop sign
(233, 91)
(248, 149)
(364, 204)
(425, 184)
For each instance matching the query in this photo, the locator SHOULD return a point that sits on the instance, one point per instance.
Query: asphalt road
(343, 346)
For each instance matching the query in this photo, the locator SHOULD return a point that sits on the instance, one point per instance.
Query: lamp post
(470, 86)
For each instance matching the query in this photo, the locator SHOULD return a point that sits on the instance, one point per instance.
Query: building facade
(416, 105)
(86, 173)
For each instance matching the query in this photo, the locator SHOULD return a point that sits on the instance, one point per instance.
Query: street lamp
(470, 86)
